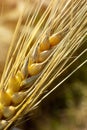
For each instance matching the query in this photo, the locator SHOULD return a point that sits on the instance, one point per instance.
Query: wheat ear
(38, 60)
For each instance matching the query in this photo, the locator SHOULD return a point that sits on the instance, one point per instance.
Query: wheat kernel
(5, 99)
(8, 112)
(29, 81)
(35, 69)
(9, 92)
(18, 97)
(44, 55)
(19, 76)
(13, 85)
(31, 60)
(44, 45)
(54, 39)
(3, 123)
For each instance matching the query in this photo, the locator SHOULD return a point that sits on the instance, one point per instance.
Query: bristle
(37, 60)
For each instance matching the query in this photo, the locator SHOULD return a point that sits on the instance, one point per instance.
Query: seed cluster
(13, 96)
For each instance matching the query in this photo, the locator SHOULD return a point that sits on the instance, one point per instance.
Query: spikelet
(8, 112)
(3, 123)
(35, 69)
(55, 39)
(37, 61)
(44, 55)
(45, 44)
(5, 99)
(18, 97)
(14, 83)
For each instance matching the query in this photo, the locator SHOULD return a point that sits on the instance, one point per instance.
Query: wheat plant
(40, 53)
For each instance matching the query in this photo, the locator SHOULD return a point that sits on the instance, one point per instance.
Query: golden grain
(14, 94)
(5, 99)
(3, 123)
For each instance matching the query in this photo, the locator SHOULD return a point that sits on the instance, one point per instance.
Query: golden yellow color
(44, 45)
(54, 39)
(18, 97)
(5, 99)
(13, 85)
(43, 55)
(3, 123)
(35, 69)
(1, 109)
(0, 114)
(8, 111)
(19, 76)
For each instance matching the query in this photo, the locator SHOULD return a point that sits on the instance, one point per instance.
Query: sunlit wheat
(39, 54)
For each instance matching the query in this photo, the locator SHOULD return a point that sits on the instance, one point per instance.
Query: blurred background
(64, 109)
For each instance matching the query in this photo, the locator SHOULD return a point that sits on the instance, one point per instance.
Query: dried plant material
(62, 28)
(5, 38)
